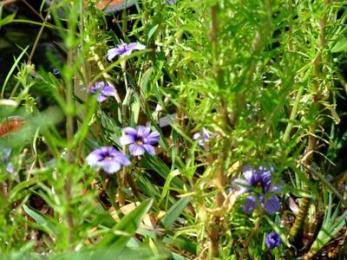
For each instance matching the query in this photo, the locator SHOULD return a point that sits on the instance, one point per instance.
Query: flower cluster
(104, 90)
(257, 183)
(140, 140)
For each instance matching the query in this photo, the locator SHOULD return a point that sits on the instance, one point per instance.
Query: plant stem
(312, 141)
(293, 115)
(253, 232)
(215, 227)
(70, 157)
(38, 37)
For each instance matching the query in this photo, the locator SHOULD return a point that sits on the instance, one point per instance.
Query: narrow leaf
(174, 212)
(126, 227)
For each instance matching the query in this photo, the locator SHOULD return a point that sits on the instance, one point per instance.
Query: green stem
(253, 232)
(38, 37)
(312, 140)
(293, 114)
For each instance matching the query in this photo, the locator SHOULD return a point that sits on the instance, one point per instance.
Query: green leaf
(14, 66)
(8, 19)
(332, 224)
(152, 31)
(126, 228)
(173, 213)
(20, 187)
(167, 185)
(43, 222)
(340, 46)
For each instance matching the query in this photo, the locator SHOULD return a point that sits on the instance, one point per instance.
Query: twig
(33, 9)
(38, 38)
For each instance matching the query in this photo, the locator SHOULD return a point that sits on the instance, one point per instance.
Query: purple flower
(4, 158)
(258, 183)
(259, 178)
(5, 154)
(10, 168)
(250, 204)
(124, 49)
(171, 2)
(56, 73)
(107, 158)
(141, 140)
(103, 90)
(271, 204)
(202, 137)
(272, 240)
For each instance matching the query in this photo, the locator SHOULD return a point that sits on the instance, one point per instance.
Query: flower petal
(127, 139)
(126, 52)
(135, 46)
(93, 158)
(250, 204)
(197, 136)
(149, 149)
(272, 204)
(265, 176)
(10, 168)
(122, 159)
(110, 166)
(108, 90)
(130, 131)
(248, 173)
(152, 138)
(143, 131)
(111, 53)
(205, 134)
(136, 150)
(242, 184)
(5, 154)
(96, 87)
(101, 98)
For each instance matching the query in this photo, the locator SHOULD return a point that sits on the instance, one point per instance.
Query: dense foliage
(180, 129)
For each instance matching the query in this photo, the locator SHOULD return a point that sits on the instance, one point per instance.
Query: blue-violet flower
(103, 90)
(272, 240)
(202, 137)
(258, 184)
(4, 158)
(140, 140)
(10, 168)
(124, 49)
(107, 158)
